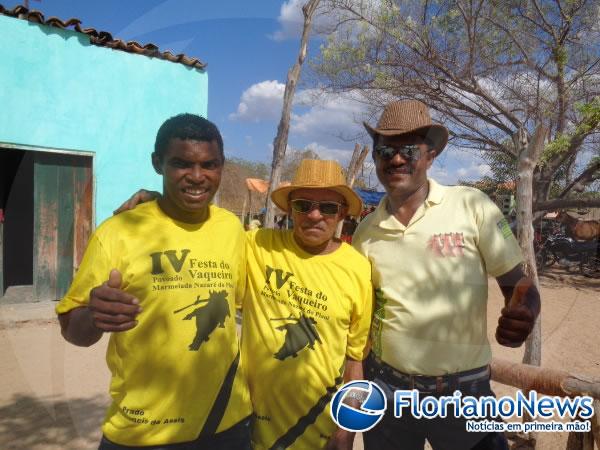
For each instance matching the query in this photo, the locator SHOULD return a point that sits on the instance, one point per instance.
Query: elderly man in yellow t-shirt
(432, 248)
(306, 315)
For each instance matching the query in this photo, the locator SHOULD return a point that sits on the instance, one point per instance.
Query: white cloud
(456, 164)
(325, 19)
(290, 19)
(441, 174)
(261, 101)
(476, 171)
(342, 156)
(317, 117)
(329, 117)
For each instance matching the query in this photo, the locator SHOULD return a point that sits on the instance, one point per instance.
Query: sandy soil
(53, 395)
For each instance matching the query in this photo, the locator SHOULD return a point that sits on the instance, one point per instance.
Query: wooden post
(555, 383)
(596, 423)
(528, 154)
(243, 218)
(543, 380)
(280, 142)
(356, 163)
(580, 441)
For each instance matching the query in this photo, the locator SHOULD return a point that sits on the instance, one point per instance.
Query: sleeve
(93, 271)
(497, 244)
(241, 286)
(357, 238)
(361, 315)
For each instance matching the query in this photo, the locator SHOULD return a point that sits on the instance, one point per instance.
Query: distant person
(256, 222)
(432, 248)
(164, 279)
(285, 223)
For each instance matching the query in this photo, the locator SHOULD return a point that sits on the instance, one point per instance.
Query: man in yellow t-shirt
(431, 249)
(175, 269)
(306, 314)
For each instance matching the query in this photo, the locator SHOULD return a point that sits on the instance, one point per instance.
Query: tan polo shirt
(430, 279)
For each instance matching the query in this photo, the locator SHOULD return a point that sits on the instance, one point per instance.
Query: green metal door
(62, 220)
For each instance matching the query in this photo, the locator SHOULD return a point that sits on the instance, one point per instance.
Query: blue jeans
(235, 438)
(409, 433)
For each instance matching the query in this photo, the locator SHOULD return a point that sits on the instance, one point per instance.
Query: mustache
(317, 225)
(402, 168)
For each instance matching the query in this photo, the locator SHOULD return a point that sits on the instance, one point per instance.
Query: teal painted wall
(59, 91)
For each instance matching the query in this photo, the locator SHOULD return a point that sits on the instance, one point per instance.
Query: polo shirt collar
(436, 193)
(387, 221)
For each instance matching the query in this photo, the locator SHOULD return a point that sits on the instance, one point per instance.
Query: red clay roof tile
(100, 38)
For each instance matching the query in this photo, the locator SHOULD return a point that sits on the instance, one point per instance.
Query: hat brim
(437, 134)
(280, 197)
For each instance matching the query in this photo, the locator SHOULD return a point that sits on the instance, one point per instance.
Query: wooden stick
(543, 380)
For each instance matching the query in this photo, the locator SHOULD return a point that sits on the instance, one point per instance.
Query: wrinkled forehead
(317, 194)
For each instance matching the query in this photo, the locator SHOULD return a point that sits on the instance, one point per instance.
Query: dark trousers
(409, 433)
(235, 438)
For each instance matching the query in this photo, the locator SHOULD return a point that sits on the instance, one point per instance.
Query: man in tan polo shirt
(432, 248)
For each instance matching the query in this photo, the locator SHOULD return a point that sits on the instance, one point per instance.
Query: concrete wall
(59, 91)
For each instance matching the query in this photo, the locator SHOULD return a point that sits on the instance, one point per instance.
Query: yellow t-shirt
(177, 373)
(430, 279)
(302, 315)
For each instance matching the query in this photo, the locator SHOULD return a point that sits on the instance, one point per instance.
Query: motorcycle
(569, 254)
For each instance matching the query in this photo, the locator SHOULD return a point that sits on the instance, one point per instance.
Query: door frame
(49, 150)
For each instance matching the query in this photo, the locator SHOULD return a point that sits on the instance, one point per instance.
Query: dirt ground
(53, 395)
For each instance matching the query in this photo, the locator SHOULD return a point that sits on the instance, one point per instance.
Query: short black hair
(187, 126)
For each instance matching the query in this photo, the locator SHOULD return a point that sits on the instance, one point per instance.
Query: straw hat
(319, 174)
(409, 117)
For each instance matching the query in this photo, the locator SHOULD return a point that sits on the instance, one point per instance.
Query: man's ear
(431, 155)
(156, 163)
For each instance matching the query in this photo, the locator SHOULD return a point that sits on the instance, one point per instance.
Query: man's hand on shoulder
(141, 196)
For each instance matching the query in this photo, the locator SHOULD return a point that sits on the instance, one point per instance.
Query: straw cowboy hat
(409, 117)
(319, 174)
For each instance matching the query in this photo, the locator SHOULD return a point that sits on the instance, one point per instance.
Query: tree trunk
(528, 153)
(356, 163)
(281, 139)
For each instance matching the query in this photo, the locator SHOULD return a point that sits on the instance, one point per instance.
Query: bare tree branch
(552, 205)
(590, 174)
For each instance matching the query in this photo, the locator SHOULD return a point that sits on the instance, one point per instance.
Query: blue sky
(249, 47)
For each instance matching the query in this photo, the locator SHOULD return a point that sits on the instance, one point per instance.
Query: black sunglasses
(327, 208)
(410, 152)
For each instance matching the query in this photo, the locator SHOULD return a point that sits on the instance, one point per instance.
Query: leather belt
(427, 383)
